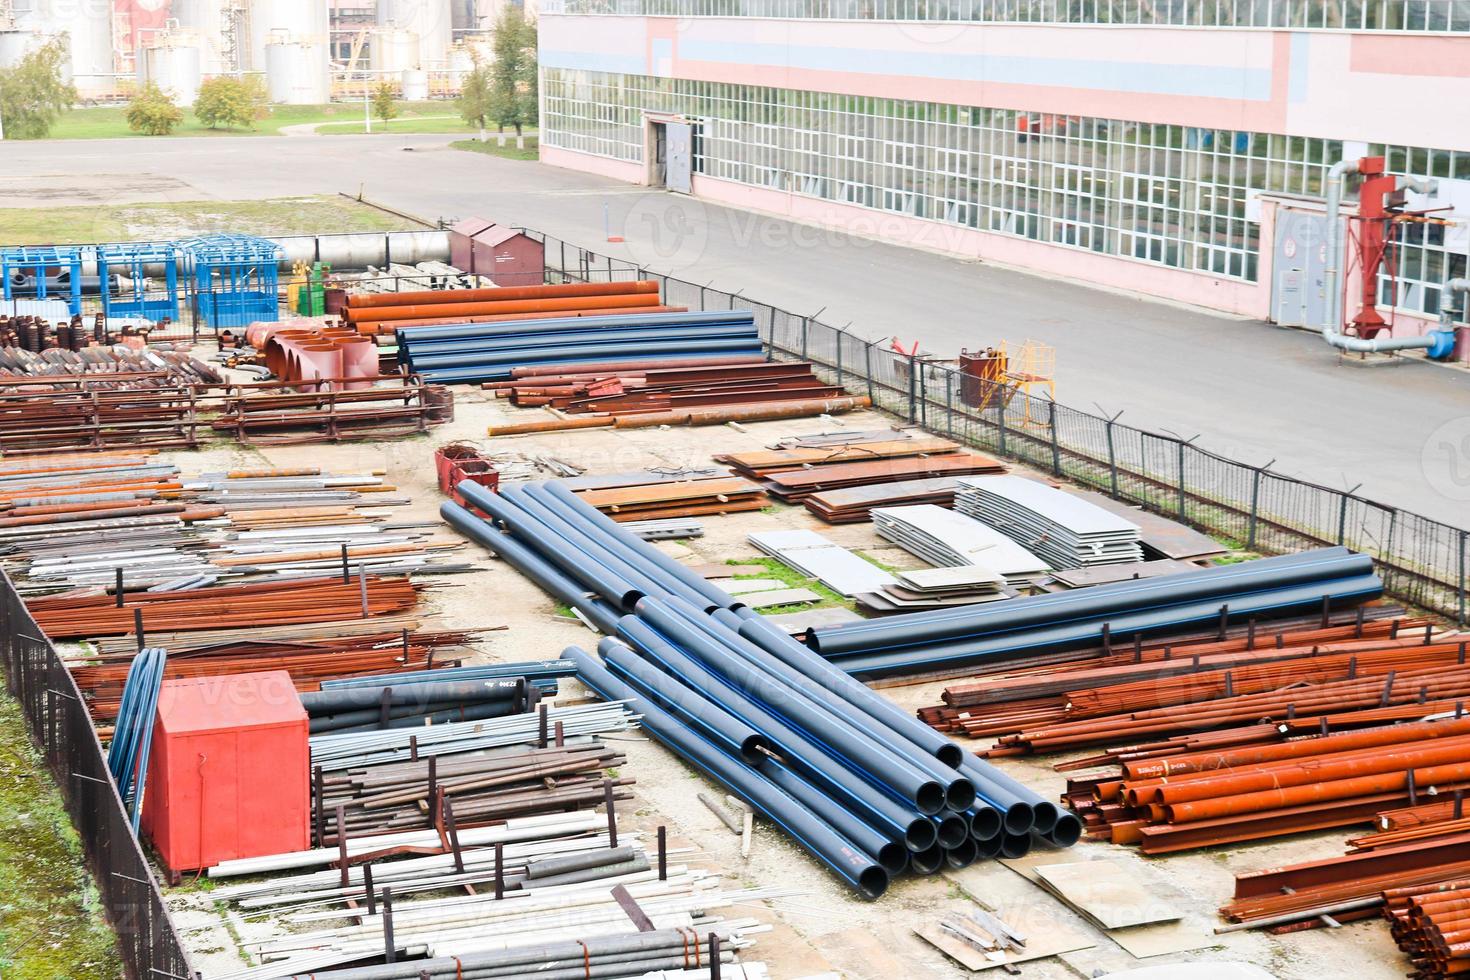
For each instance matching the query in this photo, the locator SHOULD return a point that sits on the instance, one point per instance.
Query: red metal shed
(228, 776)
(462, 241)
(508, 257)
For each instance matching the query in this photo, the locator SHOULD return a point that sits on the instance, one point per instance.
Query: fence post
(701, 298)
(839, 358)
(1250, 538)
(771, 329)
(913, 394)
(805, 321)
(1342, 518)
(923, 394)
(1112, 459)
(562, 268)
(868, 362)
(1464, 543)
(1001, 402)
(949, 400)
(1056, 443)
(1181, 479)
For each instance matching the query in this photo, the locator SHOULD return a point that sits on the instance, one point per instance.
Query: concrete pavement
(1249, 390)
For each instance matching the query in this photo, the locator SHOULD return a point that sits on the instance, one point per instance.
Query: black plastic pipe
(530, 564)
(698, 661)
(832, 849)
(1097, 602)
(962, 855)
(792, 695)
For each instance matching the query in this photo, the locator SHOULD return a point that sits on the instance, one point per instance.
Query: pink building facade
(1176, 160)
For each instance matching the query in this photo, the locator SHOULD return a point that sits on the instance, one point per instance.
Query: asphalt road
(1245, 388)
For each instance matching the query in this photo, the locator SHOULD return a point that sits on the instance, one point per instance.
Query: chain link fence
(62, 727)
(1423, 562)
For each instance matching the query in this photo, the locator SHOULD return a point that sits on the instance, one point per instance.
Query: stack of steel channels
(853, 505)
(866, 788)
(273, 413)
(482, 788)
(373, 313)
(83, 413)
(950, 540)
(1063, 529)
(669, 389)
(490, 351)
(1086, 617)
(686, 498)
(796, 484)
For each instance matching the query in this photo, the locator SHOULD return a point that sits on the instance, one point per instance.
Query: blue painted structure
(131, 259)
(37, 260)
(233, 279)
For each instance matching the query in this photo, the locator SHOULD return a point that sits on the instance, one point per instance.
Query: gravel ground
(824, 928)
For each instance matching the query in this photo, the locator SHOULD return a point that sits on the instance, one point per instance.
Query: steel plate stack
(949, 540)
(1064, 530)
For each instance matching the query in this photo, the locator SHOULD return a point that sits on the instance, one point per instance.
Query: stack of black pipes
(368, 708)
(866, 788)
(1033, 629)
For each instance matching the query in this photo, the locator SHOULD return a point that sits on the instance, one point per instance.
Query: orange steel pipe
(440, 311)
(376, 327)
(1368, 762)
(754, 412)
(1204, 762)
(550, 425)
(1341, 789)
(591, 369)
(550, 291)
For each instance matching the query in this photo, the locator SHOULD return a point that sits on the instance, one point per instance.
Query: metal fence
(1423, 562)
(62, 727)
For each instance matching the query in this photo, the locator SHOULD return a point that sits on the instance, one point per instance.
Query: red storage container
(229, 773)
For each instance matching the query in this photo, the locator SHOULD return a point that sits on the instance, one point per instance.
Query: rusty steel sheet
(659, 493)
(763, 462)
(795, 485)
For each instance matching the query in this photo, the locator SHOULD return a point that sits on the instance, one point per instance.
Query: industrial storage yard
(857, 508)
(512, 627)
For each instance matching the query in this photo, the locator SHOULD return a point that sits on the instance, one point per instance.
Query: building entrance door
(1299, 266)
(679, 159)
(658, 165)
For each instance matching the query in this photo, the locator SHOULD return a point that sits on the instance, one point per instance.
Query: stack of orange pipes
(1253, 792)
(374, 313)
(1432, 927)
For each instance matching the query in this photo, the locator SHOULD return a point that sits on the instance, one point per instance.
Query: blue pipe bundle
(540, 673)
(489, 351)
(866, 788)
(132, 737)
(971, 635)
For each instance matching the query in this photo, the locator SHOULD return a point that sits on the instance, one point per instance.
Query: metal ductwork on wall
(1437, 344)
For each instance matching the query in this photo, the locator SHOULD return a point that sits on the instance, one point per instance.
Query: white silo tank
(15, 45)
(415, 84)
(394, 51)
(87, 24)
(296, 72)
(299, 20)
(206, 19)
(461, 63)
(172, 61)
(431, 20)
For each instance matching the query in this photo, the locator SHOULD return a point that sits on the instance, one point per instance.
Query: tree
(383, 105)
(474, 98)
(234, 103)
(34, 93)
(513, 86)
(153, 112)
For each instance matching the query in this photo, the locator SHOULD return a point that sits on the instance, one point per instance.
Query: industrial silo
(87, 25)
(172, 60)
(431, 20)
(296, 71)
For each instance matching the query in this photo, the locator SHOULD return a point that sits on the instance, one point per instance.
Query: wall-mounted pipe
(1438, 344)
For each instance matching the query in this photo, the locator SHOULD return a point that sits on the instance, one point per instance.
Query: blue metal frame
(132, 259)
(234, 279)
(38, 259)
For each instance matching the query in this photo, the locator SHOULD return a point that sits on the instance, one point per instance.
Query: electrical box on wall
(229, 773)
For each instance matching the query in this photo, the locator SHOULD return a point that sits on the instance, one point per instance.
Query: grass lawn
(128, 222)
(491, 147)
(449, 123)
(51, 923)
(107, 122)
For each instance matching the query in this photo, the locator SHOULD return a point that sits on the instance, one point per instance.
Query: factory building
(1178, 149)
(307, 51)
